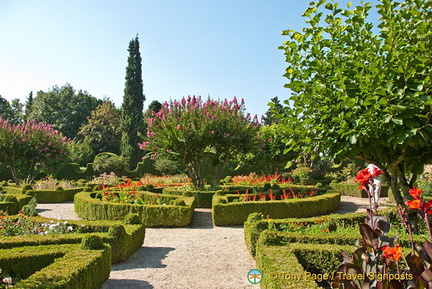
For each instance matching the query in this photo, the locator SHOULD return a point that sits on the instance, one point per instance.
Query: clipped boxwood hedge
(255, 225)
(203, 199)
(13, 203)
(57, 266)
(236, 213)
(122, 245)
(354, 191)
(54, 196)
(88, 205)
(292, 265)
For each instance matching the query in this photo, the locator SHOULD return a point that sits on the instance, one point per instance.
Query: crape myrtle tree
(131, 117)
(186, 131)
(362, 94)
(30, 148)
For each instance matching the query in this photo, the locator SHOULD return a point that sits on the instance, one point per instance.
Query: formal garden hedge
(306, 259)
(72, 260)
(203, 198)
(167, 210)
(57, 266)
(227, 211)
(13, 203)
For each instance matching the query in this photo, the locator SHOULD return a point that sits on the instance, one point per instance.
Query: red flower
(394, 253)
(363, 178)
(415, 193)
(374, 171)
(413, 204)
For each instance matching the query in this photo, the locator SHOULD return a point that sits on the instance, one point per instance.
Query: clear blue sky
(222, 48)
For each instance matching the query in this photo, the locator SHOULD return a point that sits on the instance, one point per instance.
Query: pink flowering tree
(30, 148)
(187, 130)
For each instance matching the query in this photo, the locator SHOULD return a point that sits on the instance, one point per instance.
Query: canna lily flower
(415, 193)
(363, 178)
(416, 204)
(394, 253)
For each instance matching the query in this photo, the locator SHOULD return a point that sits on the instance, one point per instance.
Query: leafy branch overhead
(358, 93)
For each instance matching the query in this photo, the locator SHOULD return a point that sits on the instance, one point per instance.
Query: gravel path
(198, 256)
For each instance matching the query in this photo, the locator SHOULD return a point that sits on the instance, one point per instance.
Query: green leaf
(397, 120)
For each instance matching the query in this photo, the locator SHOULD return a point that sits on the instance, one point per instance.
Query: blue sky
(219, 48)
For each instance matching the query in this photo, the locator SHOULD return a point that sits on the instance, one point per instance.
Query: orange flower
(394, 253)
(413, 204)
(415, 193)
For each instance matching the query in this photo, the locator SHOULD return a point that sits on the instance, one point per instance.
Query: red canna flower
(363, 178)
(415, 193)
(394, 253)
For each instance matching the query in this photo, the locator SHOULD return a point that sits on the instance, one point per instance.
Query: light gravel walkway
(198, 256)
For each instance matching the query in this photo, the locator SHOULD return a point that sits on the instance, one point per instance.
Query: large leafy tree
(132, 120)
(361, 94)
(102, 129)
(64, 108)
(11, 111)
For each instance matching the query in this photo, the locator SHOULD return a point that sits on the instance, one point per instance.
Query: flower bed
(153, 209)
(228, 210)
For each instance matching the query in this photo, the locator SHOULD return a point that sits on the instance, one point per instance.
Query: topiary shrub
(117, 231)
(132, 219)
(92, 242)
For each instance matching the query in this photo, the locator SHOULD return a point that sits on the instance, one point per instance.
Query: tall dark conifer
(132, 121)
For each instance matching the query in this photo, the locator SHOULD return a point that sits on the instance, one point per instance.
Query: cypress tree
(132, 121)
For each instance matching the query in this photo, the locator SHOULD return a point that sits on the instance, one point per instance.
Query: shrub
(92, 242)
(132, 219)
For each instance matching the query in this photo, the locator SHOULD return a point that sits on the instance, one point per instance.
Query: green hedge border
(122, 248)
(203, 198)
(89, 207)
(255, 225)
(12, 208)
(295, 260)
(227, 213)
(58, 266)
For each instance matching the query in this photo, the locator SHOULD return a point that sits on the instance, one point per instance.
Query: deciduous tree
(362, 94)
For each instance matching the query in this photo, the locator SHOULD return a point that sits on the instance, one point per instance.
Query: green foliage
(88, 205)
(131, 117)
(80, 152)
(30, 208)
(358, 94)
(189, 130)
(236, 213)
(102, 131)
(108, 162)
(30, 148)
(166, 166)
(273, 114)
(270, 154)
(92, 242)
(64, 108)
(132, 219)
